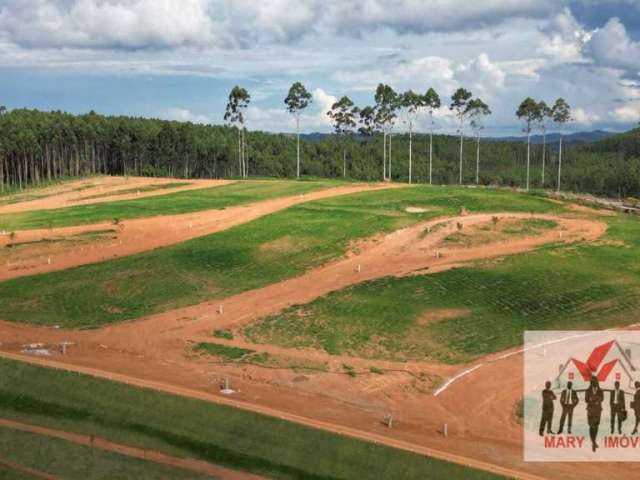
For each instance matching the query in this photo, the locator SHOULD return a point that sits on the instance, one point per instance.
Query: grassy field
(249, 256)
(76, 462)
(218, 434)
(458, 315)
(170, 204)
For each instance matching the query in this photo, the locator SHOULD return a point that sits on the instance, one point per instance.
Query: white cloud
(184, 115)
(107, 23)
(611, 46)
(579, 115)
(481, 75)
(627, 113)
(564, 38)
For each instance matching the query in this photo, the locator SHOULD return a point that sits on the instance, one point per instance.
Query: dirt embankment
(102, 189)
(137, 235)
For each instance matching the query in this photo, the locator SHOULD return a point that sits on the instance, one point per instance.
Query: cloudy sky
(179, 58)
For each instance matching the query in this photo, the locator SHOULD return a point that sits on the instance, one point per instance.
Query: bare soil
(73, 193)
(155, 352)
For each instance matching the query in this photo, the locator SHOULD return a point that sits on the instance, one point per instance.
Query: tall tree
(343, 114)
(410, 102)
(477, 110)
(459, 103)
(431, 101)
(529, 113)
(297, 100)
(543, 118)
(561, 114)
(239, 100)
(386, 107)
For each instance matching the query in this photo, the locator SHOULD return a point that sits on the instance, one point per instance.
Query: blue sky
(179, 58)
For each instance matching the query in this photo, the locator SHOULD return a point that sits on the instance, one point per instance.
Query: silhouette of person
(593, 397)
(568, 401)
(548, 398)
(618, 406)
(635, 404)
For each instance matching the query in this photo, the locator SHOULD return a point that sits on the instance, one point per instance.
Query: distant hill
(578, 138)
(626, 144)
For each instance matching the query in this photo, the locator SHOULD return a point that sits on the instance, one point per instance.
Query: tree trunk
(461, 143)
(344, 162)
(410, 152)
(389, 176)
(384, 156)
(298, 144)
(559, 162)
(431, 157)
(478, 159)
(544, 150)
(528, 157)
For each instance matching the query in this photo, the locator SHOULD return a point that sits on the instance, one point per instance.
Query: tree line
(40, 146)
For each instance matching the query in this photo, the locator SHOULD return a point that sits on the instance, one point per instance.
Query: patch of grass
(171, 204)
(215, 433)
(71, 461)
(582, 286)
(232, 261)
(226, 352)
(226, 334)
(126, 191)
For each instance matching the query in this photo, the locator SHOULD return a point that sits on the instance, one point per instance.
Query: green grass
(170, 204)
(226, 334)
(126, 191)
(223, 351)
(253, 255)
(191, 428)
(582, 286)
(71, 461)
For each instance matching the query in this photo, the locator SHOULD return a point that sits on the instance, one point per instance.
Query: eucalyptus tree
(431, 101)
(529, 113)
(477, 110)
(386, 112)
(297, 100)
(367, 119)
(545, 115)
(343, 116)
(410, 102)
(459, 105)
(239, 100)
(560, 114)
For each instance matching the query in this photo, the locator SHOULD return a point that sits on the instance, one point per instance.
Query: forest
(38, 146)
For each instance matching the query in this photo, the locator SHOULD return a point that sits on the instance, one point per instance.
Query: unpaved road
(143, 234)
(191, 464)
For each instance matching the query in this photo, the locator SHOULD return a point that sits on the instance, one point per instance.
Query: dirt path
(190, 464)
(400, 253)
(26, 470)
(70, 194)
(143, 234)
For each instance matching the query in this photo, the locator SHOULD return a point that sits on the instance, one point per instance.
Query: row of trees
(37, 146)
(380, 118)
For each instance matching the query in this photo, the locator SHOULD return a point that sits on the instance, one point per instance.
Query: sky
(178, 59)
